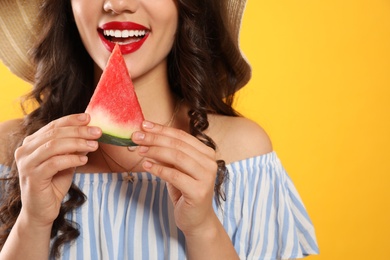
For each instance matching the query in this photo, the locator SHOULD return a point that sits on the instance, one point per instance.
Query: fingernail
(92, 144)
(138, 136)
(147, 165)
(82, 117)
(147, 124)
(132, 148)
(143, 149)
(83, 158)
(94, 130)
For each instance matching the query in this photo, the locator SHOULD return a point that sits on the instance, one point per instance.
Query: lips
(129, 36)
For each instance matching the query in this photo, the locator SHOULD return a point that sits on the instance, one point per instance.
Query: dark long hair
(205, 69)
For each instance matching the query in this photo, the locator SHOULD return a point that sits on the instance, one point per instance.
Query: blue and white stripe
(123, 220)
(263, 215)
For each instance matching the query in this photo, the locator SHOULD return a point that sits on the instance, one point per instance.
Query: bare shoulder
(7, 130)
(238, 138)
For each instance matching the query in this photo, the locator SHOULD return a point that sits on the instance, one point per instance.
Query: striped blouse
(263, 215)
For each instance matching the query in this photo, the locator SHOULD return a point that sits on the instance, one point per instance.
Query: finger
(188, 187)
(178, 134)
(199, 169)
(59, 129)
(169, 175)
(84, 132)
(156, 139)
(71, 120)
(58, 163)
(61, 147)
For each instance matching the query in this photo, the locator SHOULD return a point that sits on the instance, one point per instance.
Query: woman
(192, 188)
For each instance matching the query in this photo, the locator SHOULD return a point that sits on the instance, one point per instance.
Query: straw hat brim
(18, 33)
(17, 36)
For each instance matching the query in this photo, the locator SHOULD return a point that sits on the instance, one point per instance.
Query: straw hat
(18, 33)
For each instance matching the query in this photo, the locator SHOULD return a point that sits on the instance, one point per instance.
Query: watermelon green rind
(110, 139)
(109, 125)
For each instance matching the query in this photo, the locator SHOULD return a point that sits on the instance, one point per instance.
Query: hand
(46, 161)
(188, 166)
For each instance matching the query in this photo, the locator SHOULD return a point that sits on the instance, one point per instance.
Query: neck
(155, 96)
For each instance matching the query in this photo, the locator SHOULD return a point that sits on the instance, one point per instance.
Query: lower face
(144, 29)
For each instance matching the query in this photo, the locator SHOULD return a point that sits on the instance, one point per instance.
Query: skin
(46, 162)
(160, 17)
(47, 159)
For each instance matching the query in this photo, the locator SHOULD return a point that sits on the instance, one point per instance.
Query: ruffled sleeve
(263, 212)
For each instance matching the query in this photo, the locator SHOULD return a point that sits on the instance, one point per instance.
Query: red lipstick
(128, 44)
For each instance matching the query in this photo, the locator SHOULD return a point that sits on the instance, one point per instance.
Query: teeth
(124, 33)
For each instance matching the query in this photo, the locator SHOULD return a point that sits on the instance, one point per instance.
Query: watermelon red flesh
(114, 106)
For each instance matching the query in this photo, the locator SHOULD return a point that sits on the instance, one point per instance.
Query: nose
(120, 6)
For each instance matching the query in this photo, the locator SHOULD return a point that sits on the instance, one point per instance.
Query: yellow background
(320, 87)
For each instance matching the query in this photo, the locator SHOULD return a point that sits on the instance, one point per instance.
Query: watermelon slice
(114, 105)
